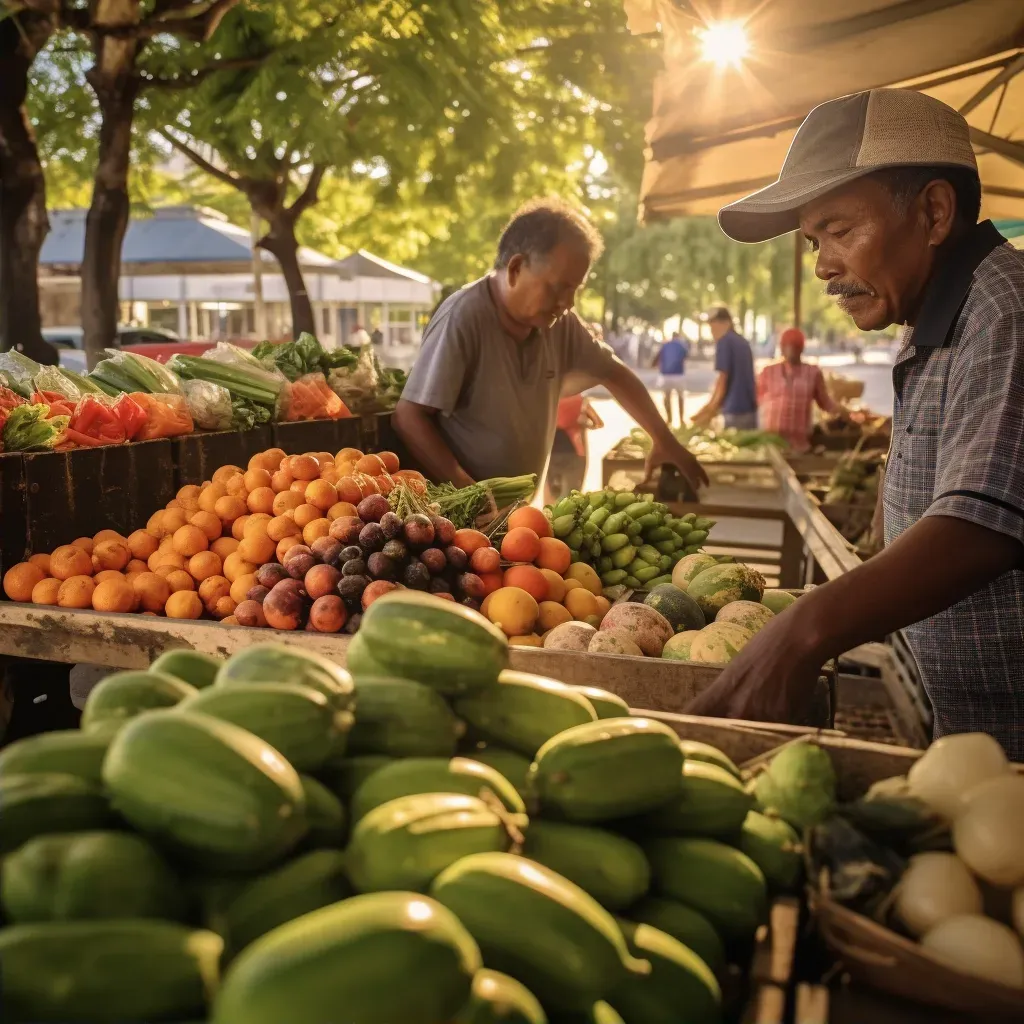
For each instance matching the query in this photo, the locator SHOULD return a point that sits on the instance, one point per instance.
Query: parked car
(155, 342)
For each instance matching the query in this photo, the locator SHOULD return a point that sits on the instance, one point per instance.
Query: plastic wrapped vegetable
(28, 428)
(56, 402)
(130, 414)
(309, 398)
(209, 404)
(140, 372)
(356, 385)
(51, 379)
(92, 424)
(17, 371)
(166, 416)
(245, 379)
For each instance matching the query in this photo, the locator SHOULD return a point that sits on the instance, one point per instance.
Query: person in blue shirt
(670, 360)
(735, 391)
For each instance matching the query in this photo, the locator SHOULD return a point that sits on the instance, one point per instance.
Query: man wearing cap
(787, 391)
(885, 187)
(735, 391)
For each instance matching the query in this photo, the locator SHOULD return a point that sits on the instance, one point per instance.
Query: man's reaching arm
(417, 427)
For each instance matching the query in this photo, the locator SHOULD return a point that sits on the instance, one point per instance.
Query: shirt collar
(950, 284)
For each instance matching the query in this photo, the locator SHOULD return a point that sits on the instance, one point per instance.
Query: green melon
(719, 643)
(777, 600)
(775, 848)
(719, 585)
(678, 648)
(750, 615)
(681, 610)
(689, 567)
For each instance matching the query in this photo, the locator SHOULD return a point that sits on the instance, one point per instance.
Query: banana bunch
(629, 538)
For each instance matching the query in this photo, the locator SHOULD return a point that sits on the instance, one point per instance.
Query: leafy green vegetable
(293, 358)
(27, 429)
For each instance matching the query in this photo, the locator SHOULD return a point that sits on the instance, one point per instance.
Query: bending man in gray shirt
(498, 355)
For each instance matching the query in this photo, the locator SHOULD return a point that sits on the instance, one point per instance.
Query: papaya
(414, 775)
(799, 786)
(276, 663)
(333, 961)
(112, 701)
(507, 763)
(607, 769)
(694, 750)
(344, 777)
(158, 772)
(325, 816)
(107, 971)
(609, 867)
(402, 718)
(499, 999)
(684, 924)
(539, 927)
(405, 844)
(524, 711)
(192, 667)
(775, 848)
(710, 802)
(297, 721)
(448, 647)
(721, 883)
(679, 986)
(87, 876)
(599, 1013)
(44, 802)
(65, 751)
(605, 704)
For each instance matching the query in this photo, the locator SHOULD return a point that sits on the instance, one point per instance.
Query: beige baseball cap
(845, 139)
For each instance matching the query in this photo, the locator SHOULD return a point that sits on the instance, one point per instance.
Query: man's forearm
(629, 391)
(418, 428)
(905, 583)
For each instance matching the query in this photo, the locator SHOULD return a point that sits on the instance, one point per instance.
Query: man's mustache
(845, 290)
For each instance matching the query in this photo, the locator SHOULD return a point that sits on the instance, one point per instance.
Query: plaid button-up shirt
(958, 450)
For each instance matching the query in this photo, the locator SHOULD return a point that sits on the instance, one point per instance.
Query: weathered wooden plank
(197, 456)
(13, 519)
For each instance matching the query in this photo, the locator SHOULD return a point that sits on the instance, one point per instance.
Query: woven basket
(881, 959)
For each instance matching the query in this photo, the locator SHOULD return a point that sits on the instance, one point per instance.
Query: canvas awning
(718, 133)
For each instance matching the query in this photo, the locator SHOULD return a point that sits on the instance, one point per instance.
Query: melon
(720, 585)
(748, 614)
(719, 643)
(678, 647)
(569, 636)
(645, 626)
(688, 567)
(610, 642)
(677, 606)
(777, 600)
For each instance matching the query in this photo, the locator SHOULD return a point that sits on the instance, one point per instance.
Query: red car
(154, 342)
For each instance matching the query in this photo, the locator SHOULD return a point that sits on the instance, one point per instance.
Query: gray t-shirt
(498, 397)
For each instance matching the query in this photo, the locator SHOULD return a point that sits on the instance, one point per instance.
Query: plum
(352, 626)
(457, 558)
(392, 525)
(351, 588)
(395, 550)
(271, 574)
(327, 549)
(439, 586)
(354, 567)
(371, 509)
(381, 567)
(298, 565)
(444, 530)
(258, 593)
(350, 552)
(434, 560)
(345, 529)
(419, 531)
(416, 576)
(470, 585)
(371, 537)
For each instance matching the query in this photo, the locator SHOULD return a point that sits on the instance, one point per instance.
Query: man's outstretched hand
(669, 451)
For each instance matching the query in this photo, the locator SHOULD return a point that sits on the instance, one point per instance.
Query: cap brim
(775, 209)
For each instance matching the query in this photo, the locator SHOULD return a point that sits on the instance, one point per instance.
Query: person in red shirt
(568, 465)
(787, 391)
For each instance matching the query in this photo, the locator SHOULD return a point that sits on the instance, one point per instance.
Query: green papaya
(686, 925)
(344, 777)
(775, 848)
(400, 718)
(43, 802)
(192, 667)
(799, 786)
(605, 704)
(499, 999)
(507, 763)
(694, 750)
(325, 816)
(65, 751)
(112, 701)
(710, 802)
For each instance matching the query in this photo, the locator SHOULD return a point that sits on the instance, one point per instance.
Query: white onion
(1018, 911)
(934, 887)
(978, 945)
(951, 766)
(988, 835)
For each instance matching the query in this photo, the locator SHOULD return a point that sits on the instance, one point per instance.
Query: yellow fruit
(530, 640)
(552, 614)
(586, 576)
(184, 604)
(513, 611)
(556, 585)
(581, 603)
(570, 585)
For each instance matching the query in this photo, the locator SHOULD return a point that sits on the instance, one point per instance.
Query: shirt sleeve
(762, 385)
(440, 369)
(587, 361)
(723, 357)
(980, 464)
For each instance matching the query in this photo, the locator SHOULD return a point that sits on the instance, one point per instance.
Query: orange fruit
(151, 591)
(189, 491)
(299, 487)
(108, 574)
(178, 579)
(256, 478)
(341, 508)
(281, 480)
(492, 582)
(114, 596)
(209, 523)
(111, 554)
(324, 458)
(257, 548)
(321, 494)
(470, 540)
(305, 514)
(187, 505)
(581, 603)
(348, 490)
(390, 461)
(241, 586)
(105, 535)
(286, 501)
(556, 585)
(520, 545)
(155, 525)
(238, 527)
(281, 527)
(530, 640)
(68, 561)
(135, 565)
(554, 554)
(223, 609)
(212, 589)
(532, 519)
(142, 544)
(42, 561)
(352, 455)
(315, 530)
(284, 545)
(175, 518)
(224, 546)
(513, 611)
(261, 500)
(235, 486)
(304, 467)
(189, 540)
(183, 604)
(330, 474)
(76, 592)
(46, 590)
(552, 614)
(232, 507)
(272, 458)
(21, 579)
(371, 465)
(222, 474)
(235, 565)
(527, 578)
(169, 558)
(85, 543)
(604, 606)
(211, 494)
(204, 565)
(257, 524)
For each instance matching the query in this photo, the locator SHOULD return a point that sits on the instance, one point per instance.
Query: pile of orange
(542, 588)
(200, 553)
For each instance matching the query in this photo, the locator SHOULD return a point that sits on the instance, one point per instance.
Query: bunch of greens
(343, 357)
(293, 358)
(392, 384)
(27, 429)
(464, 505)
(128, 372)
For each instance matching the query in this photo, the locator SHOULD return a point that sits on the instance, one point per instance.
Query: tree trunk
(280, 240)
(23, 221)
